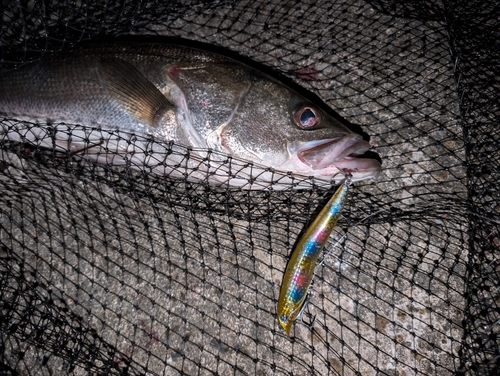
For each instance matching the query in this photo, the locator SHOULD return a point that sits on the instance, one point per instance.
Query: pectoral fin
(135, 93)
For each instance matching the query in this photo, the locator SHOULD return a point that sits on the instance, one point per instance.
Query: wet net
(112, 270)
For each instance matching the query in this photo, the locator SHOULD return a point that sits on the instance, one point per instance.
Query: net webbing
(108, 270)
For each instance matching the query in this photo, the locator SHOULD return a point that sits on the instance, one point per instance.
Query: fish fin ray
(137, 95)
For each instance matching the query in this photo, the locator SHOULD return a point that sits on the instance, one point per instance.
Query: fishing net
(113, 270)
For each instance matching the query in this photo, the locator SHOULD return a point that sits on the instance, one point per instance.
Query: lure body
(300, 268)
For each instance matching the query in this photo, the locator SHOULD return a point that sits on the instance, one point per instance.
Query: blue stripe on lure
(300, 269)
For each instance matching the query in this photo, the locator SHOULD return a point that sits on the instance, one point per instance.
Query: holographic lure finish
(300, 268)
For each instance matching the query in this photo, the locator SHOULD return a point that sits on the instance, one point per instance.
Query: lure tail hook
(309, 324)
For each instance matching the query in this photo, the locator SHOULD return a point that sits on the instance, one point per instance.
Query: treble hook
(309, 324)
(347, 179)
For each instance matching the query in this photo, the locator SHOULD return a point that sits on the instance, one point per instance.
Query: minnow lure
(300, 268)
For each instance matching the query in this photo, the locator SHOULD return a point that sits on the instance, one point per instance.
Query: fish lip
(320, 154)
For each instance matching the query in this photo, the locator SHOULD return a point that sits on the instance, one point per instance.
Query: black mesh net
(113, 270)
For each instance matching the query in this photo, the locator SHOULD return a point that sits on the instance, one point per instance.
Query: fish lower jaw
(359, 168)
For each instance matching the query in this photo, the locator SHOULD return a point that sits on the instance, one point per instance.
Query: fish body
(300, 269)
(78, 102)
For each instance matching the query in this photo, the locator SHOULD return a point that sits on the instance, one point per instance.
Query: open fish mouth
(340, 154)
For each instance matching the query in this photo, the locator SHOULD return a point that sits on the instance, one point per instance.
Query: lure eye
(306, 116)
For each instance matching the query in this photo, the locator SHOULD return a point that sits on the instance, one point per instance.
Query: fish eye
(306, 116)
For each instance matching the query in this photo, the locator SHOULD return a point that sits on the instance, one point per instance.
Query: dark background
(107, 271)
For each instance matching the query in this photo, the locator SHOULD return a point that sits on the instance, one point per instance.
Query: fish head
(276, 127)
(241, 112)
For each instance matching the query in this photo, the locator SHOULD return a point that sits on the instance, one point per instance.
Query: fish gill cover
(110, 269)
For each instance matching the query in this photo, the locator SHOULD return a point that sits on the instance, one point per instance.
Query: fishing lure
(300, 268)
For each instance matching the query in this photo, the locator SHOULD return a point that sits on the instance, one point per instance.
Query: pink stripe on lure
(300, 269)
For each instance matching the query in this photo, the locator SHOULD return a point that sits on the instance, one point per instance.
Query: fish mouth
(341, 154)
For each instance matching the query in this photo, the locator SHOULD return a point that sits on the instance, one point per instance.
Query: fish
(300, 269)
(181, 112)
